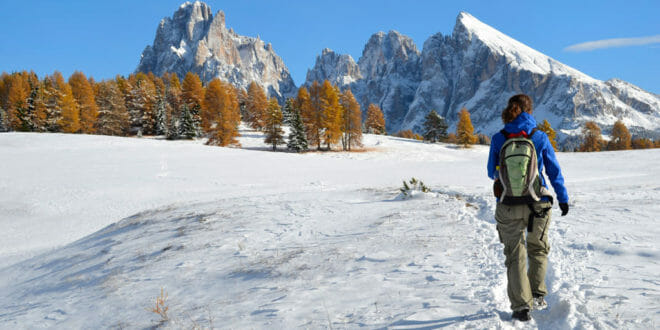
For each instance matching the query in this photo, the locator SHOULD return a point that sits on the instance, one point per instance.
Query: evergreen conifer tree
(187, 129)
(287, 111)
(435, 127)
(53, 110)
(173, 129)
(27, 113)
(3, 120)
(161, 115)
(297, 136)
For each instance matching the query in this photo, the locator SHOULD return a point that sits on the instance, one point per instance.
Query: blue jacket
(544, 152)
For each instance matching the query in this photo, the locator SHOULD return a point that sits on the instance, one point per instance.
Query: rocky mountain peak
(194, 40)
(383, 48)
(479, 68)
(339, 69)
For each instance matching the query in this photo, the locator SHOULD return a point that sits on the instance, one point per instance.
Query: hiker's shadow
(439, 323)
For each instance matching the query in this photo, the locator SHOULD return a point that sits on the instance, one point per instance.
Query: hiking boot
(539, 303)
(522, 315)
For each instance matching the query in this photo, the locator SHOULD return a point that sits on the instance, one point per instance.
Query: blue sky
(105, 38)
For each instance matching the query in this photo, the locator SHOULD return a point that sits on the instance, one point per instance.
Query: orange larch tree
(331, 114)
(351, 121)
(84, 95)
(256, 106)
(375, 121)
(70, 116)
(464, 129)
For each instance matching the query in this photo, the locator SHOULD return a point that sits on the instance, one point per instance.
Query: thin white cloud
(611, 43)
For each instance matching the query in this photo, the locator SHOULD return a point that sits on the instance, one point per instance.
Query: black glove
(564, 208)
(497, 188)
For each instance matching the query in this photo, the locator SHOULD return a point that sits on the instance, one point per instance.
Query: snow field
(325, 242)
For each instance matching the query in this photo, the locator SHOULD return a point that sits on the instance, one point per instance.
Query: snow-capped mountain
(479, 68)
(195, 40)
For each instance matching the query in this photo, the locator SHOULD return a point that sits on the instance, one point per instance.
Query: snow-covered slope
(194, 40)
(94, 227)
(479, 68)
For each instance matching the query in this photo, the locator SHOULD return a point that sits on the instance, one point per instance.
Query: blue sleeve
(553, 171)
(493, 158)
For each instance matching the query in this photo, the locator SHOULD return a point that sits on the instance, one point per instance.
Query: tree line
(145, 104)
(435, 130)
(320, 116)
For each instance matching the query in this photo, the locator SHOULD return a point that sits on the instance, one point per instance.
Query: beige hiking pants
(520, 246)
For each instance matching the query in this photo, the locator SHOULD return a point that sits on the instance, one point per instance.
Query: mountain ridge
(479, 68)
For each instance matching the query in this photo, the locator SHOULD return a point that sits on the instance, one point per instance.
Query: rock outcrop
(195, 40)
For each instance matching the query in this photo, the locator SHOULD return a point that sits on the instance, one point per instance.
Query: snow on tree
(552, 135)
(53, 110)
(297, 136)
(287, 111)
(464, 129)
(113, 118)
(591, 137)
(84, 95)
(173, 128)
(3, 120)
(621, 138)
(375, 121)
(435, 127)
(351, 121)
(187, 129)
(141, 103)
(160, 125)
(70, 116)
(273, 124)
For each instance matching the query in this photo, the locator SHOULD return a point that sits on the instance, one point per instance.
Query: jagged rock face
(390, 64)
(479, 68)
(197, 41)
(342, 69)
(387, 74)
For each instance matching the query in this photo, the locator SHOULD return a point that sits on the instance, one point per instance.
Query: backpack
(518, 170)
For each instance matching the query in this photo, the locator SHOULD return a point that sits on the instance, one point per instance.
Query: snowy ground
(93, 227)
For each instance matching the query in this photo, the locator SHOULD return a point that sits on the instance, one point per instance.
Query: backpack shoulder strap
(505, 133)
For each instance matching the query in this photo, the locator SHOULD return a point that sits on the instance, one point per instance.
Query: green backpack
(518, 170)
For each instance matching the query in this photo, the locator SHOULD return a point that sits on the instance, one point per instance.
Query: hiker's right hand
(564, 208)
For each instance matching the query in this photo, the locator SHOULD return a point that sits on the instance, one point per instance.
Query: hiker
(524, 203)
